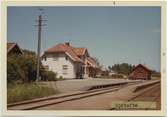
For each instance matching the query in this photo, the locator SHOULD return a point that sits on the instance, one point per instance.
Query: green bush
(49, 76)
(14, 72)
(61, 78)
(21, 67)
(26, 91)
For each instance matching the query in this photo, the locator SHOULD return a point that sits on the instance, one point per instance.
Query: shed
(140, 72)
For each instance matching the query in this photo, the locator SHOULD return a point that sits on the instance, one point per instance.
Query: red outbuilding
(140, 72)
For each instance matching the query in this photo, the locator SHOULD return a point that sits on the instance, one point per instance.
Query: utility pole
(39, 44)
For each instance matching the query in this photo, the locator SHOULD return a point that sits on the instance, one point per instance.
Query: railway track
(150, 94)
(29, 105)
(153, 95)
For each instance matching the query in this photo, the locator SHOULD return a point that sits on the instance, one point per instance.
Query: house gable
(61, 64)
(13, 48)
(140, 72)
(63, 48)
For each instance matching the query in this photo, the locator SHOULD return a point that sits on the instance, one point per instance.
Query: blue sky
(111, 34)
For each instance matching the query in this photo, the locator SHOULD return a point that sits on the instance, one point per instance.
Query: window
(65, 72)
(66, 57)
(55, 58)
(45, 58)
(65, 69)
(46, 67)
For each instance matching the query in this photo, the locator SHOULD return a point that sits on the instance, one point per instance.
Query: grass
(21, 92)
(155, 78)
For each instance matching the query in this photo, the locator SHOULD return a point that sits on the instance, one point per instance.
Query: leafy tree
(23, 67)
(123, 68)
(14, 72)
(28, 52)
(109, 68)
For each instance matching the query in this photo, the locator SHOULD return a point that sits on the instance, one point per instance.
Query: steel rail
(53, 100)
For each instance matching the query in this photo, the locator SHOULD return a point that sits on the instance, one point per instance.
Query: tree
(24, 67)
(109, 68)
(21, 67)
(123, 68)
(14, 72)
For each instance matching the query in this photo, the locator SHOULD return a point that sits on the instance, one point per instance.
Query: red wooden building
(140, 72)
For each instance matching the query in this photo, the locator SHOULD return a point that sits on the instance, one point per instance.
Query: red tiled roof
(66, 49)
(79, 51)
(57, 48)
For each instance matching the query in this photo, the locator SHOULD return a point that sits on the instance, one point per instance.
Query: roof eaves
(12, 46)
(79, 60)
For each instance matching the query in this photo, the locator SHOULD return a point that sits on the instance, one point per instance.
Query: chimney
(67, 43)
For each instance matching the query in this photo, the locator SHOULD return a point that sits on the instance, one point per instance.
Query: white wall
(57, 65)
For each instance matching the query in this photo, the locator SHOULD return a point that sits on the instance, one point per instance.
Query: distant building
(92, 69)
(140, 72)
(111, 72)
(69, 62)
(13, 48)
(104, 72)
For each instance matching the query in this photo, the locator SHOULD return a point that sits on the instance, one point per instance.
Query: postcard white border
(3, 40)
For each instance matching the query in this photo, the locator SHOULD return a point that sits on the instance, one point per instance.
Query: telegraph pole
(39, 45)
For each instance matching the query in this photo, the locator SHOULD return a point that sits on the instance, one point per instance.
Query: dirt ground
(81, 84)
(103, 101)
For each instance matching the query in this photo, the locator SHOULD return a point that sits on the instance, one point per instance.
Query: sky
(111, 34)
